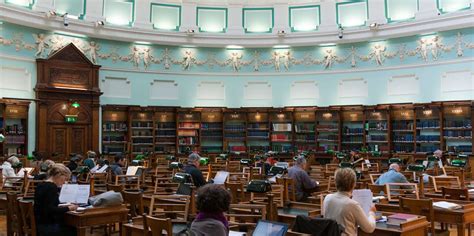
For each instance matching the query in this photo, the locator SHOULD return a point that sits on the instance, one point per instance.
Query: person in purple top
(304, 185)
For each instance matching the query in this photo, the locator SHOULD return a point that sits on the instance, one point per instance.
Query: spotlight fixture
(374, 26)
(340, 33)
(51, 13)
(99, 23)
(66, 19)
(190, 32)
(281, 33)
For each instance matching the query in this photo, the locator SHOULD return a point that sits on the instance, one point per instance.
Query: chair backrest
(130, 182)
(115, 188)
(30, 188)
(134, 201)
(233, 166)
(13, 213)
(246, 214)
(455, 193)
(277, 191)
(409, 175)
(27, 217)
(374, 177)
(238, 177)
(445, 181)
(371, 167)
(165, 188)
(237, 191)
(423, 207)
(13, 184)
(396, 190)
(175, 207)
(155, 226)
(377, 190)
(289, 188)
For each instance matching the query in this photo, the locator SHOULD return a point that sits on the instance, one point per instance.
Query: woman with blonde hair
(49, 215)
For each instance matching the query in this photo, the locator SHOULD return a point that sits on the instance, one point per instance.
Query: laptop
(270, 228)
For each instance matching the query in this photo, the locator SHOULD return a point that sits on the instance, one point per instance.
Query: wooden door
(59, 140)
(77, 139)
(65, 139)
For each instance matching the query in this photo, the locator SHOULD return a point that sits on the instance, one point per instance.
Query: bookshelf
(14, 126)
(305, 130)
(403, 130)
(141, 130)
(188, 131)
(212, 131)
(258, 139)
(457, 128)
(114, 129)
(428, 129)
(235, 131)
(165, 132)
(327, 130)
(376, 130)
(352, 129)
(281, 131)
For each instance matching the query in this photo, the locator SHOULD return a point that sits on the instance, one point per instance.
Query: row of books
(113, 138)
(166, 133)
(213, 133)
(165, 149)
(263, 134)
(352, 139)
(166, 125)
(457, 133)
(165, 140)
(428, 148)
(142, 140)
(281, 127)
(424, 124)
(328, 137)
(403, 148)
(188, 140)
(14, 129)
(255, 148)
(402, 125)
(327, 126)
(119, 127)
(234, 135)
(381, 125)
(188, 125)
(112, 149)
(377, 138)
(280, 137)
(459, 148)
(403, 138)
(188, 133)
(309, 137)
(257, 126)
(348, 130)
(142, 149)
(282, 148)
(302, 148)
(234, 127)
(142, 133)
(211, 149)
(304, 128)
(237, 148)
(458, 123)
(211, 126)
(141, 124)
(15, 139)
(427, 138)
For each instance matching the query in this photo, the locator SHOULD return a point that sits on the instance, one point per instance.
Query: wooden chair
(155, 226)
(115, 188)
(176, 207)
(237, 191)
(289, 188)
(27, 218)
(396, 190)
(277, 191)
(13, 184)
(445, 181)
(30, 188)
(377, 190)
(455, 193)
(162, 188)
(233, 166)
(130, 182)
(238, 177)
(374, 177)
(14, 226)
(246, 214)
(134, 201)
(423, 207)
(371, 168)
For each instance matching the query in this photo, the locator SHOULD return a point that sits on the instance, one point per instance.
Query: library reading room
(236, 117)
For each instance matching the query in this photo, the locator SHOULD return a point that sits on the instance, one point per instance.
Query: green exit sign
(71, 118)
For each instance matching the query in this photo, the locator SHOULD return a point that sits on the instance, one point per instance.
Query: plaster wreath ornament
(422, 48)
(41, 44)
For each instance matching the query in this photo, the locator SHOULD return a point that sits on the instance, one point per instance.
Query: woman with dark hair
(212, 201)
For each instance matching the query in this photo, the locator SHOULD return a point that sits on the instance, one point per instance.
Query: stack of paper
(74, 193)
(364, 198)
(447, 205)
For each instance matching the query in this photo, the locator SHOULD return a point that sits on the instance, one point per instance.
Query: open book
(21, 172)
(447, 205)
(74, 193)
(221, 177)
(96, 169)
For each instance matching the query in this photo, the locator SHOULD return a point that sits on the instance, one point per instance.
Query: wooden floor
(3, 228)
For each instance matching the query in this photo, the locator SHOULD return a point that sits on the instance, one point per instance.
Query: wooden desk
(96, 217)
(413, 228)
(136, 228)
(462, 217)
(292, 209)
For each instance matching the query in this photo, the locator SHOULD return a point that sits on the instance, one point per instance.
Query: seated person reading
(346, 212)
(90, 160)
(304, 185)
(192, 168)
(211, 201)
(116, 168)
(393, 175)
(48, 214)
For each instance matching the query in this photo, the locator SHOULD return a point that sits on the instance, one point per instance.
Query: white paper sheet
(364, 198)
(21, 172)
(447, 205)
(74, 193)
(102, 170)
(367, 162)
(132, 170)
(94, 170)
(221, 177)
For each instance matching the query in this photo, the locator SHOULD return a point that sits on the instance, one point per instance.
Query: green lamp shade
(432, 158)
(170, 158)
(376, 154)
(245, 161)
(462, 156)
(139, 157)
(341, 156)
(75, 105)
(394, 160)
(345, 165)
(204, 161)
(458, 163)
(417, 168)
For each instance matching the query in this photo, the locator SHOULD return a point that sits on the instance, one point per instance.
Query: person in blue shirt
(304, 185)
(116, 168)
(90, 161)
(393, 175)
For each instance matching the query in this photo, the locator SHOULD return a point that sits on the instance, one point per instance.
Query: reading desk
(96, 217)
(412, 228)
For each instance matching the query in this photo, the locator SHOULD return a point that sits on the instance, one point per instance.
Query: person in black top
(44, 167)
(73, 162)
(192, 168)
(48, 214)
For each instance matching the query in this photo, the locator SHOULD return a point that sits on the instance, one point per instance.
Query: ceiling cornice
(38, 20)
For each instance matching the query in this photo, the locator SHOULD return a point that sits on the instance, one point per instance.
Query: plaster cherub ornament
(276, 61)
(377, 53)
(57, 43)
(436, 45)
(235, 60)
(423, 48)
(93, 48)
(329, 58)
(187, 60)
(135, 56)
(147, 57)
(41, 44)
(286, 56)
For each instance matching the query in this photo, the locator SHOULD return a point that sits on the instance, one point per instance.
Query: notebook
(74, 193)
(221, 177)
(270, 228)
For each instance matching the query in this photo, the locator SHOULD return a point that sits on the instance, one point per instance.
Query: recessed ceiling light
(327, 44)
(281, 46)
(234, 47)
(142, 42)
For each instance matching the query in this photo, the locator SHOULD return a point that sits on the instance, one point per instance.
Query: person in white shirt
(7, 169)
(346, 212)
